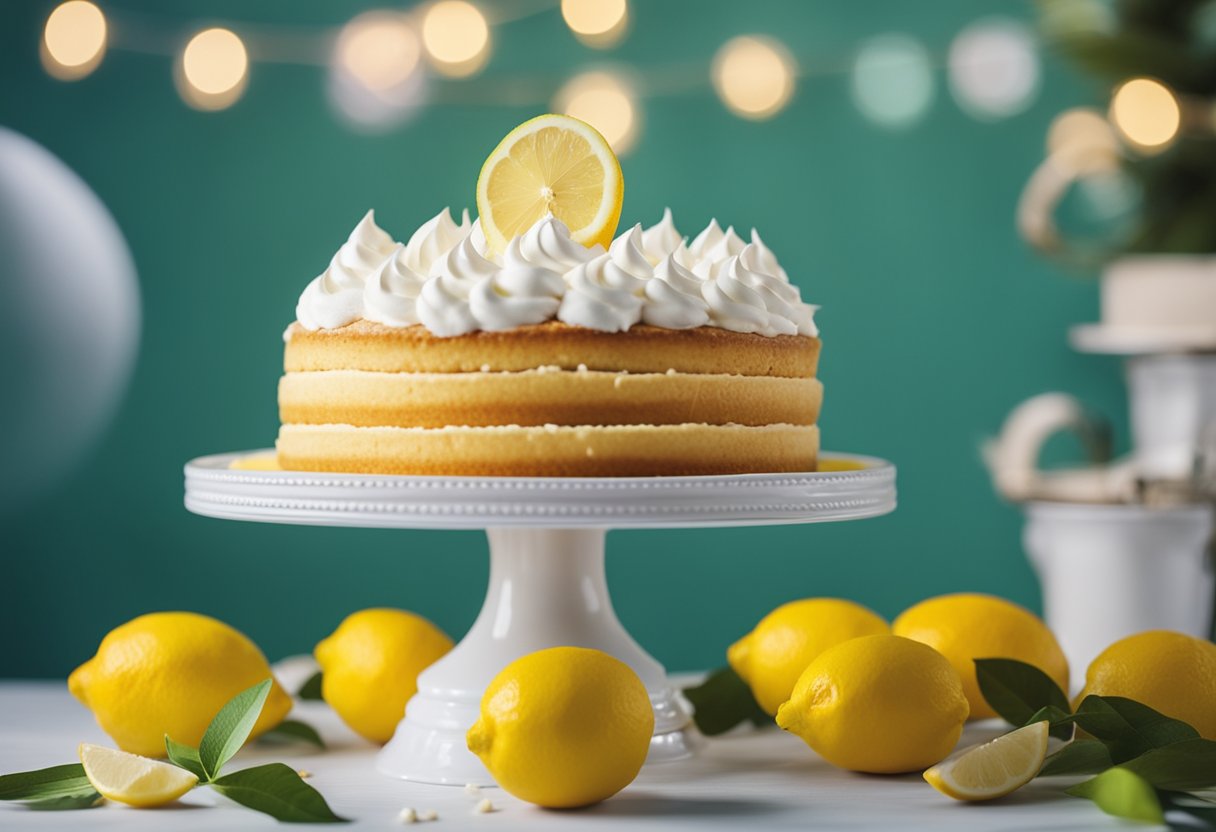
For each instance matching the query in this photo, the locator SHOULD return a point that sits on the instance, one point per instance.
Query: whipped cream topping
(335, 297)
(445, 279)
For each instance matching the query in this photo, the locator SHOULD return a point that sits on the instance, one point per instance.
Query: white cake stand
(547, 582)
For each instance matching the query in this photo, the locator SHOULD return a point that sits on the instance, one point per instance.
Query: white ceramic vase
(1109, 571)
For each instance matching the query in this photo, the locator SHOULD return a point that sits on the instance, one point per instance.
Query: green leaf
(1017, 691)
(1127, 728)
(55, 782)
(1122, 793)
(1078, 757)
(185, 756)
(310, 691)
(65, 803)
(230, 728)
(1189, 765)
(278, 791)
(723, 701)
(1060, 722)
(290, 730)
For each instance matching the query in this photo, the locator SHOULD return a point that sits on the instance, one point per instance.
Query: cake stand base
(547, 588)
(547, 584)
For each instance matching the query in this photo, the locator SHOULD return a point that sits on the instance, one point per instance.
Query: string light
(1146, 113)
(597, 23)
(213, 69)
(1083, 139)
(456, 37)
(605, 101)
(754, 76)
(73, 40)
(379, 49)
(994, 71)
(893, 81)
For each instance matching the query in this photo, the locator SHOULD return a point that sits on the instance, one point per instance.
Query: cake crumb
(472, 789)
(671, 371)
(428, 814)
(485, 368)
(407, 815)
(483, 807)
(304, 773)
(590, 451)
(582, 368)
(618, 381)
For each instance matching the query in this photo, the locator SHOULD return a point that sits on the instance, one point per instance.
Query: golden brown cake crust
(532, 397)
(616, 451)
(364, 345)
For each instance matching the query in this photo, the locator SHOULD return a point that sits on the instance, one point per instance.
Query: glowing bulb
(456, 37)
(893, 80)
(605, 101)
(379, 49)
(213, 69)
(1146, 113)
(597, 23)
(74, 40)
(994, 68)
(754, 76)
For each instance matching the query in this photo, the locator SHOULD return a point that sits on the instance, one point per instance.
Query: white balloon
(69, 319)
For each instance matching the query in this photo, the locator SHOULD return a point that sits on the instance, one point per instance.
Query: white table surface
(762, 780)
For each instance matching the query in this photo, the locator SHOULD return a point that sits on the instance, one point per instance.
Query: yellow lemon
(993, 769)
(370, 667)
(564, 727)
(170, 673)
(970, 626)
(134, 780)
(772, 656)
(880, 704)
(1170, 672)
(555, 165)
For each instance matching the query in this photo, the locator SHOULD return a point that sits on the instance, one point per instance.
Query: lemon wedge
(134, 780)
(555, 165)
(993, 769)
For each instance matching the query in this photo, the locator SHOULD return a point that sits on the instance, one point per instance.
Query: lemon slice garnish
(555, 165)
(994, 769)
(131, 779)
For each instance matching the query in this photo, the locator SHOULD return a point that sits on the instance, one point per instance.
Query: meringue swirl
(734, 281)
(600, 295)
(707, 239)
(443, 303)
(548, 244)
(661, 239)
(673, 298)
(390, 293)
(433, 239)
(520, 294)
(335, 298)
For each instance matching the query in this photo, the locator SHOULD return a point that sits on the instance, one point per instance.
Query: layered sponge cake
(391, 372)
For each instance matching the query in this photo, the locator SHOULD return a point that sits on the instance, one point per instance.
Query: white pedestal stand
(547, 583)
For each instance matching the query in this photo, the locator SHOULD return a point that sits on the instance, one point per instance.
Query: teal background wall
(936, 320)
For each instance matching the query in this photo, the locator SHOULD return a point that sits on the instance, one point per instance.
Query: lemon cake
(509, 347)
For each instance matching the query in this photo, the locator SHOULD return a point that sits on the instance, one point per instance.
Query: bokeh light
(1146, 113)
(597, 23)
(73, 40)
(1083, 140)
(379, 49)
(892, 81)
(607, 102)
(754, 76)
(213, 69)
(456, 37)
(994, 68)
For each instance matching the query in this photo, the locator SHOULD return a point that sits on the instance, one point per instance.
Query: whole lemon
(170, 673)
(969, 626)
(370, 667)
(564, 727)
(1170, 672)
(880, 704)
(772, 656)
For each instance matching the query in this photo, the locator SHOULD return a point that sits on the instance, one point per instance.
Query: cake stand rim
(214, 489)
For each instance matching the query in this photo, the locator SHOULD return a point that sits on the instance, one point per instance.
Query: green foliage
(723, 701)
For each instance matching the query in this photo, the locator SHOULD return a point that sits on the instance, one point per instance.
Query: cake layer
(552, 451)
(541, 397)
(364, 345)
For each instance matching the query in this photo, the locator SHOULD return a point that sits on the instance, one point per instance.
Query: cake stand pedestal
(547, 581)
